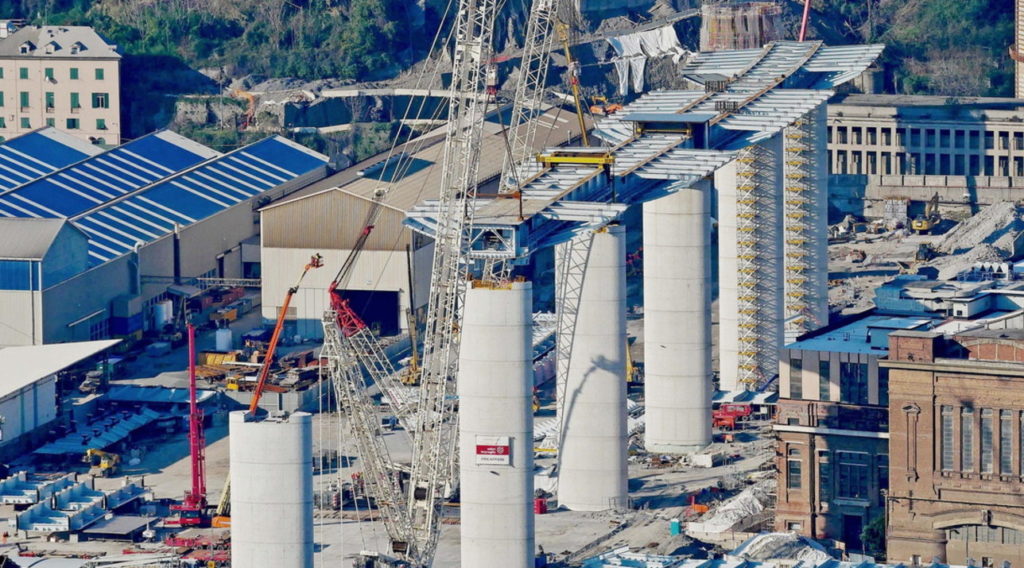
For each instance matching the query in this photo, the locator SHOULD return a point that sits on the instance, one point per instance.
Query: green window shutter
(75, 103)
(74, 73)
(24, 99)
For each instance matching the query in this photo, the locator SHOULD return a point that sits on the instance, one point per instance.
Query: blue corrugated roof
(194, 195)
(95, 181)
(36, 154)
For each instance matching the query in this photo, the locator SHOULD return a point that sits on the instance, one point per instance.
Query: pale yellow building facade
(67, 77)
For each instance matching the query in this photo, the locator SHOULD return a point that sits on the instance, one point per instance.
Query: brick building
(956, 448)
(832, 428)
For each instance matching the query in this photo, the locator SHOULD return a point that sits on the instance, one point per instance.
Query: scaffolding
(743, 25)
(757, 310)
(801, 195)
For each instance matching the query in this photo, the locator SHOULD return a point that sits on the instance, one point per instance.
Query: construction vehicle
(634, 371)
(600, 106)
(222, 515)
(192, 511)
(102, 464)
(927, 221)
(729, 415)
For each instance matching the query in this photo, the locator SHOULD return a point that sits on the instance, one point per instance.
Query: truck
(729, 415)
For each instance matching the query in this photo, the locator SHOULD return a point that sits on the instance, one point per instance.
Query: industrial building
(29, 405)
(956, 417)
(59, 76)
(337, 207)
(91, 246)
(968, 150)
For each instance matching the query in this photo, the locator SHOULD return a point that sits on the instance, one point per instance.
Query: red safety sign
(493, 450)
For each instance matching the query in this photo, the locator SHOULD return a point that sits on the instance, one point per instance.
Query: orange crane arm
(261, 384)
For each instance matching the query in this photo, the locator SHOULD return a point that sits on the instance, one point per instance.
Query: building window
(796, 387)
(824, 477)
(947, 438)
(50, 122)
(72, 124)
(966, 439)
(75, 102)
(793, 469)
(853, 474)
(1005, 442)
(23, 73)
(3, 122)
(25, 122)
(883, 478)
(48, 73)
(101, 124)
(100, 100)
(74, 73)
(824, 373)
(1, 98)
(853, 383)
(24, 99)
(1, 72)
(99, 73)
(986, 440)
(99, 329)
(49, 102)
(883, 386)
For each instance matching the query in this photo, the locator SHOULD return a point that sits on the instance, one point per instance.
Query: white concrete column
(271, 491)
(593, 475)
(677, 321)
(496, 427)
(728, 281)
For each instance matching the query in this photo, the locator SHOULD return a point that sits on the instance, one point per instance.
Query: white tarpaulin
(622, 68)
(634, 49)
(636, 67)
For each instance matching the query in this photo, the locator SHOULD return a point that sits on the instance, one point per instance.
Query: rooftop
(27, 364)
(866, 334)
(58, 42)
(27, 239)
(37, 153)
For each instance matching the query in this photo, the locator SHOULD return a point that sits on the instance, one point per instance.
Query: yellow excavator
(927, 221)
(102, 464)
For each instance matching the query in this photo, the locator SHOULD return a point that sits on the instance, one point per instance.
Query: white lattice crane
(412, 516)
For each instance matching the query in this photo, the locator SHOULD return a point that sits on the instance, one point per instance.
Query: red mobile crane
(222, 516)
(192, 510)
(316, 261)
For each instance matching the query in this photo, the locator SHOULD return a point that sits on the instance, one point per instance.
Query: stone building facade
(956, 418)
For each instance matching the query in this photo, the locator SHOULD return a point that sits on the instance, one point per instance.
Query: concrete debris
(781, 546)
(999, 225)
(739, 513)
(949, 267)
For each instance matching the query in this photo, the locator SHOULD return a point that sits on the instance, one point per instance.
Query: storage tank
(163, 313)
(495, 390)
(271, 490)
(223, 339)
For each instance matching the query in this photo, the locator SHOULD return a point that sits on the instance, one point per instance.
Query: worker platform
(661, 143)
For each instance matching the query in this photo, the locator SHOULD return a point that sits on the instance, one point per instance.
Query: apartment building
(832, 428)
(956, 420)
(67, 77)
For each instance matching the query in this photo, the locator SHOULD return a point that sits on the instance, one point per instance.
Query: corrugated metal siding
(331, 220)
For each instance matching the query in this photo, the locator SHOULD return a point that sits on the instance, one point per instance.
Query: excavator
(222, 516)
(102, 464)
(927, 221)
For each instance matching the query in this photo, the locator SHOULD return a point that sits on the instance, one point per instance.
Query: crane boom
(434, 443)
(529, 95)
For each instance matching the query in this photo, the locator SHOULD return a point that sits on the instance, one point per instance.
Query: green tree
(873, 537)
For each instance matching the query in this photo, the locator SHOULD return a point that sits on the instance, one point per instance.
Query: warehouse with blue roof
(89, 242)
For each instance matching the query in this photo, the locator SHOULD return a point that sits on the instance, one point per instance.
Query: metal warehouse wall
(375, 270)
(28, 408)
(19, 317)
(331, 220)
(86, 294)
